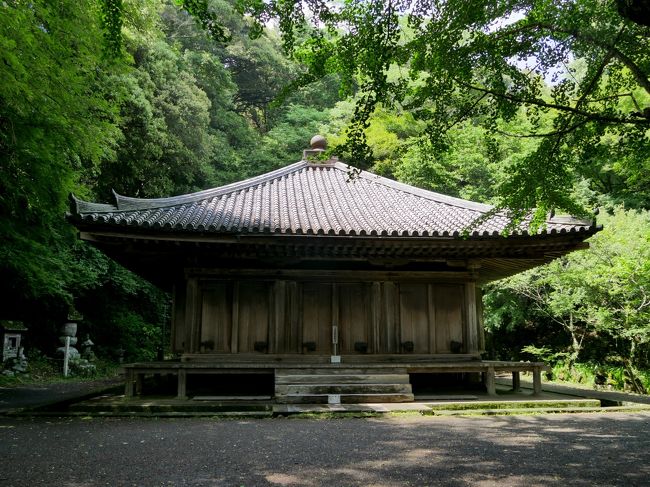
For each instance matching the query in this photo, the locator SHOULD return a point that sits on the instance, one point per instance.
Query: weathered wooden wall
(286, 316)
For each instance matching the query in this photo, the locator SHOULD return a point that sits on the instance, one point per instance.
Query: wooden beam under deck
(404, 363)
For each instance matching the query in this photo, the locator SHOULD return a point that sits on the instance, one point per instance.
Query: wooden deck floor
(366, 365)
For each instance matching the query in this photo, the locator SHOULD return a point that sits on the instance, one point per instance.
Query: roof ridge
(127, 203)
(424, 193)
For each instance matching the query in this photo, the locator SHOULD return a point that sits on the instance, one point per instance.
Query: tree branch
(564, 108)
(547, 134)
(639, 75)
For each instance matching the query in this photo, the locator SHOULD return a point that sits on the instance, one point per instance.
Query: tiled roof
(311, 198)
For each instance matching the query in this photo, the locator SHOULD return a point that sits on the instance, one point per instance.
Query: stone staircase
(353, 385)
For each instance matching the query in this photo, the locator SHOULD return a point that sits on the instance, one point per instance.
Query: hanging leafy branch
(583, 64)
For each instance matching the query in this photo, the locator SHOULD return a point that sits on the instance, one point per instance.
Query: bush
(621, 378)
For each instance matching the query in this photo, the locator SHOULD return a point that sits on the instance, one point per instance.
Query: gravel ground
(30, 395)
(580, 449)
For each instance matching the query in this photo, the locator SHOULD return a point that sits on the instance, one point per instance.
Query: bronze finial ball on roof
(318, 145)
(318, 142)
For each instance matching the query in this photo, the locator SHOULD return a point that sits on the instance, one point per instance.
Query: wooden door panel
(414, 317)
(449, 301)
(216, 318)
(354, 317)
(254, 316)
(316, 318)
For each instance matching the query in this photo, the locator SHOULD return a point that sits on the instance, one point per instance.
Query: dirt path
(31, 395)
(577, 450)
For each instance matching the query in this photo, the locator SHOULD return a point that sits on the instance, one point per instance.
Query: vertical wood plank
(191, 316)
(335, 314)
(479, 318)
(234, 332)
(280, 345)
(272, 318)
(299, 316)
(375, 309)
(431, 315)
(354, 315)
(129, 384)
(254, 313)
(471, 324)
(181, 387)
(449, 304)
(413, 311)
(385, 325)
(292, 311)
(316, 316)
(392, 300)
(215, 317)
(179, 324)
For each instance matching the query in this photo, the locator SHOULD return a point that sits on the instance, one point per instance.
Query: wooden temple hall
(317, 282)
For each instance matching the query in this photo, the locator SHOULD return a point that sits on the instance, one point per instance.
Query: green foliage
(57, 120)
(591, 305)
(165, 126)
(131, 96)
(484, 61)
(136, 96)
(206, 18)
(602, 376)
(544, 354)
(112, 18)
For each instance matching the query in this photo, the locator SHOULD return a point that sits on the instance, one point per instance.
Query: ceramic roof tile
(312, 198)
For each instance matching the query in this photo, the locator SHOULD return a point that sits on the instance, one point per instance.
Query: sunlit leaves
(600, 298)
(485, 60)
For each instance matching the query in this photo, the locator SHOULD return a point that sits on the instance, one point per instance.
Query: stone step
(342, 379)
(311, 389)
(160, 406)
(340, 370)
(515, 404)
(345, 398)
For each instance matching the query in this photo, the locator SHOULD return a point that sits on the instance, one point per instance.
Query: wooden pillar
(294, 343)
(182, 384)
(129, 384)
(479, 320)
(335, 316)
(179, 322)
(192, 316)
(471, 332)
(537, 381)
(139, 379)
(431, 317)
(389, 335)
(234, 331)
(516, 381)
(490, 381)
(276, 333)
(375, 310)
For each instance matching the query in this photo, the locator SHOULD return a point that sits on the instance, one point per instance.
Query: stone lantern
(68, 340)
(12, 333)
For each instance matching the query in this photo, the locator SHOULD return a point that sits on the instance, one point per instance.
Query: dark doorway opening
(456, 382)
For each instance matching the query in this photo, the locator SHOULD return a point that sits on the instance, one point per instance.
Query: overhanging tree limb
(640, 76)
(564, 108)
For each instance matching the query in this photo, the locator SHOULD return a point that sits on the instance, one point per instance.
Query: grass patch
(46, 370)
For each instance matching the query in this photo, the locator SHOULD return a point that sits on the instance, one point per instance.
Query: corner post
(537, 381)
(182, 384)
(490, 381)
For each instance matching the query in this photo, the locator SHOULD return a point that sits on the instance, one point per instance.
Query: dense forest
(179, 102)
